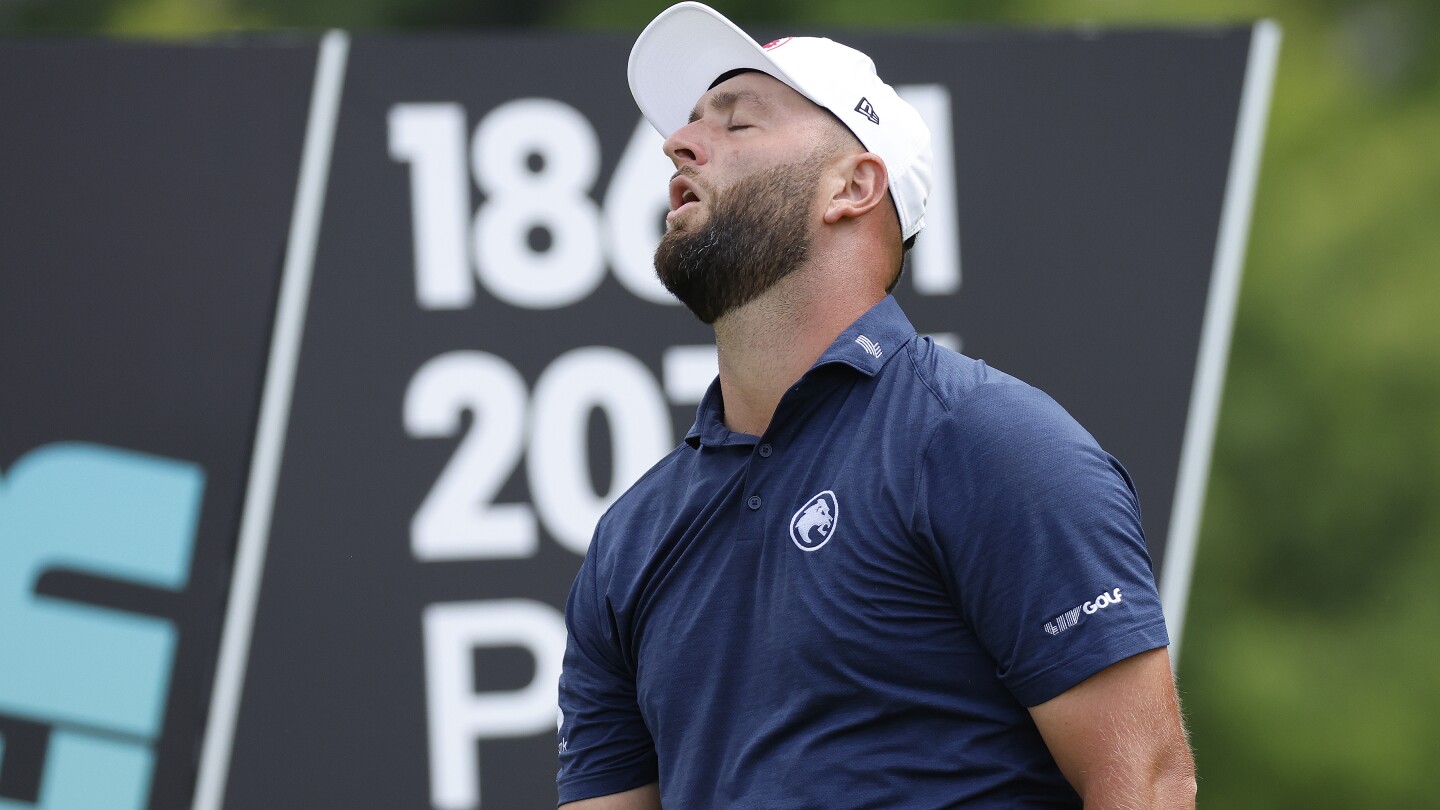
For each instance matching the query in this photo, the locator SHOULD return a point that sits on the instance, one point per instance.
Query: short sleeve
(1039, 535)
(604, 745)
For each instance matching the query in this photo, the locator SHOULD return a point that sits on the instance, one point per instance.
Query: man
(876, 573)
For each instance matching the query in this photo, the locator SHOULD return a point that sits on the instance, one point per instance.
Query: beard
(757, 233)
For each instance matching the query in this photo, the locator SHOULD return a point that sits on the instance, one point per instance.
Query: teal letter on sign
(97, 675)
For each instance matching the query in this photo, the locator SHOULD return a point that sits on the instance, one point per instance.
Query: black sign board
(145, 197)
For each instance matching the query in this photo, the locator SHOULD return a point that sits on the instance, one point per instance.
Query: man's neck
(767, 344)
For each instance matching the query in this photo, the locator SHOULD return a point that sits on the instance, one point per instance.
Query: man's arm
(641, 798)
(1118, 737)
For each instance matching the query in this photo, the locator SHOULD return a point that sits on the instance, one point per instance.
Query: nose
(684, 148)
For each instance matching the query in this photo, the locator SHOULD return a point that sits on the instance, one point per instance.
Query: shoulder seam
(931, 431)
(654, 470)
(919, 375)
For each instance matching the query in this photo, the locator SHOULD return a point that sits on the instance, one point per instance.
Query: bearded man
(876, 573)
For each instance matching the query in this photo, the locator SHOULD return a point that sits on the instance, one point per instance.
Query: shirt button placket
(753, 520)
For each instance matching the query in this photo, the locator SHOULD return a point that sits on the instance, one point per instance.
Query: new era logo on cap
(865, 108)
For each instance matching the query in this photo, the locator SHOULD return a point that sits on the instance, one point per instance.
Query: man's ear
(862, 184)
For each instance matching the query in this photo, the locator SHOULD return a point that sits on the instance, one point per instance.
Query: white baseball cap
(683, 51)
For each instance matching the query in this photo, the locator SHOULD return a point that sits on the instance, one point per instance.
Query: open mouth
(683, 195)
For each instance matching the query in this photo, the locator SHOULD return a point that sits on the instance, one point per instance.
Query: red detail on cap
(773, 44)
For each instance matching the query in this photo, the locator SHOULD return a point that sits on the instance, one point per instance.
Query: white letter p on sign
(458, 715)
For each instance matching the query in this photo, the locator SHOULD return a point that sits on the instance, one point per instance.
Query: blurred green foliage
(1311, 670)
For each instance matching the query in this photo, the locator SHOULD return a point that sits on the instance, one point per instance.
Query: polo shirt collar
(869, 343)
(866, 346)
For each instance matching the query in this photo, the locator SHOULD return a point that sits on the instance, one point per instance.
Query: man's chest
(783, 576)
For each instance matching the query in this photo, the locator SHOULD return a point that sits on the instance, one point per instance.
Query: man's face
(744, 195)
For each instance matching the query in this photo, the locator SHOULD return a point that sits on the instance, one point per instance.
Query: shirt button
(765, 451)
(754, 502)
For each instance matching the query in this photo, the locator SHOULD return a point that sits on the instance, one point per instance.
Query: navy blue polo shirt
(855, 609)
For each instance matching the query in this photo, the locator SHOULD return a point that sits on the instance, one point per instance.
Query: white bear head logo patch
(814, 523)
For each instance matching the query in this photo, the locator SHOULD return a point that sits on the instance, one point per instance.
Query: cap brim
(677, 57)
